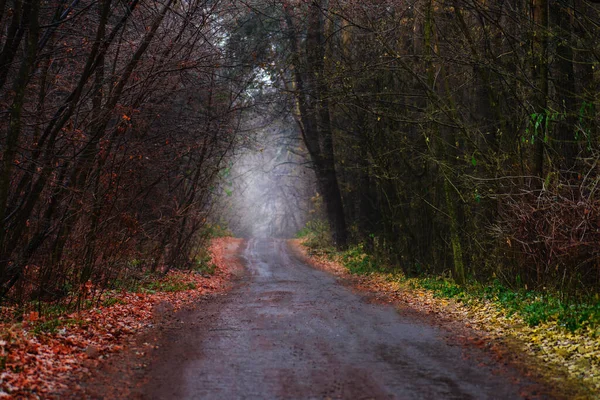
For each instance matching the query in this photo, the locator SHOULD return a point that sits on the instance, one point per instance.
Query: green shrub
(359, 262)
(317, 235)
(170, 284)
(217, 230)
(203, 264)
(111, 301)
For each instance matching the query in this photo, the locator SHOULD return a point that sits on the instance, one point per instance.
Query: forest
(445, 137)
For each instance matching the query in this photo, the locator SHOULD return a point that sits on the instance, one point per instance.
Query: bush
(359, 262)
(316, 234)
(204, 265)
(553, 235)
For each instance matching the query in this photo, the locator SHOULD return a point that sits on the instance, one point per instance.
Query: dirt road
(290, 331)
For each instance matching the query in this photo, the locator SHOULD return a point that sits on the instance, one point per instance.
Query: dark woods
(460, 135)
(115, 120)
(448, 135)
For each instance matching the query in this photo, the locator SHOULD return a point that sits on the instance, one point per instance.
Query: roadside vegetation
(559, 330)
(45, 347)
(453, 145)
(119, 125)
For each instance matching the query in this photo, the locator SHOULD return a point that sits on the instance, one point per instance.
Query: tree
(311, 91)
(118, 125)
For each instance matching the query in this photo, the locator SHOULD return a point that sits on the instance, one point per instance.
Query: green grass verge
(534, 307)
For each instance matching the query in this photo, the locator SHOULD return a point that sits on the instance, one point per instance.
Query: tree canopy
(445, 135)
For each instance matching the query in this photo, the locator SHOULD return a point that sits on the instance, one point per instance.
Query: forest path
(291, 331)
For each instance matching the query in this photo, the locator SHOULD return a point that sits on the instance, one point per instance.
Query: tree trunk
(565, 87)
(313, 105)
(446, 156)
(540, 75)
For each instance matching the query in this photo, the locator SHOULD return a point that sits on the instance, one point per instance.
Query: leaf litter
(568, 361)
(36, 364)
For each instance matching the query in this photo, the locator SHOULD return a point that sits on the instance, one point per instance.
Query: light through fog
(269, 187)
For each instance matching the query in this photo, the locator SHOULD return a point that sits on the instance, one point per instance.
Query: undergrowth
(168, 284)
(534, 307)
(316, 236)
(203, 264)
(359, 262)
(46, 314)
(52, 325)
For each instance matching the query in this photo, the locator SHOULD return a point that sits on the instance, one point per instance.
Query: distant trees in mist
(268, 191)
(449, 135)
(459, 135)
(116, 118)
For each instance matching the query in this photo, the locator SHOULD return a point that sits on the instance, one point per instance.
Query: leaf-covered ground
(567, 361)
(39, 355)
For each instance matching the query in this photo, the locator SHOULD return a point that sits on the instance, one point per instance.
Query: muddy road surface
(290, 331)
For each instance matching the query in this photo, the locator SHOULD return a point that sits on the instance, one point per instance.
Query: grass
(52, 325)
(169, 284)
(534, 307)
(111, 301)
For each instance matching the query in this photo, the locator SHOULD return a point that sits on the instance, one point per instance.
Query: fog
(267, 190)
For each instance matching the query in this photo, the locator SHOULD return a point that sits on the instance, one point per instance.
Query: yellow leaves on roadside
(557, 349)
(577, 353)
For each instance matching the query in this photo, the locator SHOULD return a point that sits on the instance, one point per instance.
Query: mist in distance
(268, 189)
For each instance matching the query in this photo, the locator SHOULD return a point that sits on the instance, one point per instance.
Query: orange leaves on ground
(35, 364)
(33, 316)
